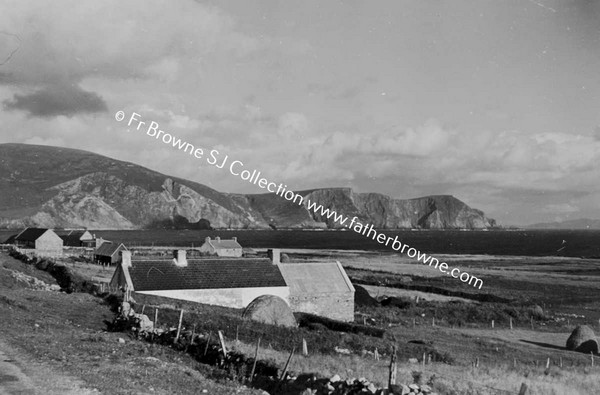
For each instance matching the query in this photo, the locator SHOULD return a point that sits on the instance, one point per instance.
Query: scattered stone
(335, 378)
(121, 340)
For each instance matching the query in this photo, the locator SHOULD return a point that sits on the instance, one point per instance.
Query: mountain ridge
(62, 187)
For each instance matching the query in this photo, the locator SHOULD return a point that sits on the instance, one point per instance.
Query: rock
(413, 360)
(335, 378)
(371, 388)
(425, 389)
(340, 350)
(414, 387)
(143, 323)
(121, 340)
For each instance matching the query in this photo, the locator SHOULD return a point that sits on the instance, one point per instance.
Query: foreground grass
(64, 333)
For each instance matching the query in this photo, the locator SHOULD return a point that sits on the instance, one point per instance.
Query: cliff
(58, 187)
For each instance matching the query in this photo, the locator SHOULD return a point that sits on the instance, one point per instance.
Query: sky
(494, 102)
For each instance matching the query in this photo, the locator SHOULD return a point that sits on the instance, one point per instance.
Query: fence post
(304, 347)
(393, 368)
(222, 340)
(207, 343)
(287, 364)
(523, 389)
(255, 359)
(156, 317)
(511, 323)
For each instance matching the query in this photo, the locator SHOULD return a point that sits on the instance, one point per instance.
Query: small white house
(221, 247)
(229, 282)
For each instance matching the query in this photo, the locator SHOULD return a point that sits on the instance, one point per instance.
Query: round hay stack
(363, 298)
(583, 340)
(270, 309)
(536, 311)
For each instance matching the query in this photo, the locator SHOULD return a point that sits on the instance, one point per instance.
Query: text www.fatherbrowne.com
(236, 168)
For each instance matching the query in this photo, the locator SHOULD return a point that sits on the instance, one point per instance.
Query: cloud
(56, 100)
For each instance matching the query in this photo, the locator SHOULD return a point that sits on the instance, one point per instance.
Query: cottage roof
(74, 237)
(316, 277)
(224, 243)
(31, 234)
(10, 240)
(109, 248)
(161, 275)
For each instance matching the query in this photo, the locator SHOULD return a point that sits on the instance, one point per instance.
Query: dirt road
(22, 377)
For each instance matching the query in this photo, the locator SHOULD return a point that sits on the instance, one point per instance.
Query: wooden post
(417, 300)
(433, 321)
(222, 340)
(255, 359)
(376, 354)
(179, 326)
(592, 355)
(477, 362)
(193, 334)
(531, 323)
(237, 331)
(548, 363)
(560, 362)
(156, 317)
(514, 362)
(287, 364)
(393, 368)
(143, 308)
(523, 389)
(414, 322)
(207, 343)
(304, 347)
(492, 324)
(423, 361)
(511, 323)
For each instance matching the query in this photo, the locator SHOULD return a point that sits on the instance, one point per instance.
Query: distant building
(225, 248)
(76, 238)
(219, 281)
(42, 242)
(320, 288)
(109, 253)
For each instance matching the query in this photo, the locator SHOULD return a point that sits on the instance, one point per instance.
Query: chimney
(179, 258)
(217, 238)
(126, 258)
(275, 255)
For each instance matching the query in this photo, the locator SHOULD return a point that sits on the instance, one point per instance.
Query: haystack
(270, 309)
(363, 298)
(583, 340)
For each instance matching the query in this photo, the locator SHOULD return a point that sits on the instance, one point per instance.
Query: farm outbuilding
(320, 288)
(229, 282)
(221, 247)
(76, 238)
(109, 253)
(42, 242)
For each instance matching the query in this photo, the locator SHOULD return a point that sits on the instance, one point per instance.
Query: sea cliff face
(57, 187)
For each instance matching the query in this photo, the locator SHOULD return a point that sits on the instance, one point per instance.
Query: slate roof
(315, 278)
(224, 243)
(10, 240)
(31, 234)
(163, 275)
(72, 237)
(108, 248)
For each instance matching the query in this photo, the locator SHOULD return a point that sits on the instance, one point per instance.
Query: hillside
(60, 187)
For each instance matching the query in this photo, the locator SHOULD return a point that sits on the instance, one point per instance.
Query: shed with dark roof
(230, 282)
(109, 253)
(76, 238)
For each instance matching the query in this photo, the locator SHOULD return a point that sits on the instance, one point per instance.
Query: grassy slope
(69, 339)
(28, 170)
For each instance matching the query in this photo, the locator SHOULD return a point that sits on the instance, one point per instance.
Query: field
(450, 321)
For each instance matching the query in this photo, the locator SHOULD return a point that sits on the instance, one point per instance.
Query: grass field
(69, 335)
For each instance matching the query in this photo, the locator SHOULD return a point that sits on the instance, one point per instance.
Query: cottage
(320, 288)
(42, 242)
(217, 281)
(225, 248)
(76, 238)
(109, 253)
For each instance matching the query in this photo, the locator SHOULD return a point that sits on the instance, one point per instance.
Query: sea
(571, 243)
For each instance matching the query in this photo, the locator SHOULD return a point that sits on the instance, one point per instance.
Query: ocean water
(575, 243)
